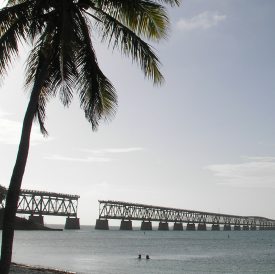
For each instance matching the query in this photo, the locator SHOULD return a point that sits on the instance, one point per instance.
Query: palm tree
(62, 61)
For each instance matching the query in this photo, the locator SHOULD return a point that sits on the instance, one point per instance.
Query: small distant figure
(139, 256)
(147, 257)
(228, 236)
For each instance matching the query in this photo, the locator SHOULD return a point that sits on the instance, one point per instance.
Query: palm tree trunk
(18, 172)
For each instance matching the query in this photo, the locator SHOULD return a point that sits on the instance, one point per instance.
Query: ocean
(171, 252)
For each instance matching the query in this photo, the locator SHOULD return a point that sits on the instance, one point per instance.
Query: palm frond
(62, 73)
(41, 111)
(39, 18)
(13, 30)
(171, 3)
(33, 70)
(145, 18)
(64, 37)
(33, 60)
(38, 71)
(38, 77)
(15, 2)
(97, 95)
(131, 45)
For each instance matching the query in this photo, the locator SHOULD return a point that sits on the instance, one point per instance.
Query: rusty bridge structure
(193, 220)
(37, 204)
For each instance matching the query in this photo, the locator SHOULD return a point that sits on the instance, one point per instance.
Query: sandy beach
(21, 269)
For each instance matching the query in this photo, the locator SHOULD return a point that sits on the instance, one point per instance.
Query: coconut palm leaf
(145, 18)
(13, 30)
(130, 44)
(97, 94)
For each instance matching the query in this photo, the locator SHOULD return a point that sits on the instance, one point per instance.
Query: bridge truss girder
(132, 211)
(43, 203)
(47, 205)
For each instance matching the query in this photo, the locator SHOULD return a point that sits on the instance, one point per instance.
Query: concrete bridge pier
(163, 226)
(72, 223)
(202, 227)
(245, 227)
(126, 225)
(215, 227)
(227, 227)
(102, 224)
(253, 227)
(146, 225)
(190, 227)
(39, 219)
(237, 227)
(178, 226)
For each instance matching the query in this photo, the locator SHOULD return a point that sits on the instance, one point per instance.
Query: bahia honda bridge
(37, 204)
(194, 220)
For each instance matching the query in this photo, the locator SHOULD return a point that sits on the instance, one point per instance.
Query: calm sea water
(172, 252)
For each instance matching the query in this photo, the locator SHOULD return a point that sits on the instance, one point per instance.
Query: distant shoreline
(28, 269)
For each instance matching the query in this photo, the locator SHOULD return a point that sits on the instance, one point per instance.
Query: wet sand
(27, 269)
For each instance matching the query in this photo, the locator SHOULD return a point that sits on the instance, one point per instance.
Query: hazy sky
(205, 140)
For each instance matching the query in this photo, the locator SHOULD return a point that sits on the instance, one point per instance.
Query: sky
(204, 140)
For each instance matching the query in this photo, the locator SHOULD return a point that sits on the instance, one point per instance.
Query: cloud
(57, 157)
(259, 158)
(113, 150)
(204, 20)
(10, 131)
(254, 172)
(98, 155)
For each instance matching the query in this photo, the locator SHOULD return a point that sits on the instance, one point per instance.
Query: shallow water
(171, 252)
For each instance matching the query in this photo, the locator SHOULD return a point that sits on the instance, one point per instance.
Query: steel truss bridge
(40, 203)
(128, 212)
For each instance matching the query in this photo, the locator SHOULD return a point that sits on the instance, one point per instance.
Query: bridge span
(194, 220)
(37, 204)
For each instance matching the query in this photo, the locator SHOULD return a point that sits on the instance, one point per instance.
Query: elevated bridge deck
(40, 203)
(128, 212)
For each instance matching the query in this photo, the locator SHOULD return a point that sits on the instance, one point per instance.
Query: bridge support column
(39, 219)
(202, 227)
(146, 225)
(237, 227)
(72, 223)
(126, 225)
(178, 226)
(215, 227)
(253, 227)
(102, 224)
(163, 226)
(190, 227)
(227, 227)
(245, 227)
